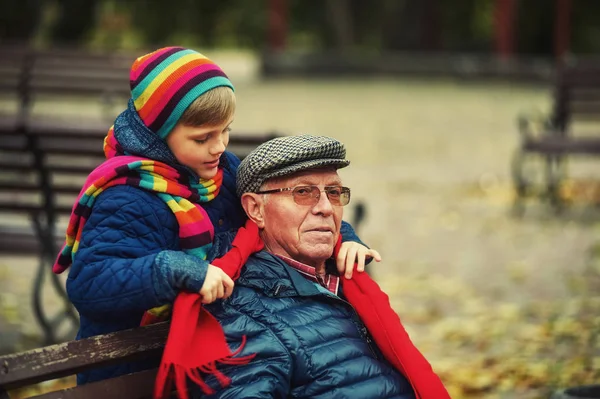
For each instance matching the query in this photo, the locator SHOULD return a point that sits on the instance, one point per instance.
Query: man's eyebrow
(302, 181)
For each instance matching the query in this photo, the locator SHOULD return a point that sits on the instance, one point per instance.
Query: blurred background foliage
(380, 25)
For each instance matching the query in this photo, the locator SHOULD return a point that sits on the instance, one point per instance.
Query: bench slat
(556, 145)
(131, 386)
(30, 367)
(21, 208)
(20, 186)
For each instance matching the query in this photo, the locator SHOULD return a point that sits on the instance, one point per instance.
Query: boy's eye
(202, 140)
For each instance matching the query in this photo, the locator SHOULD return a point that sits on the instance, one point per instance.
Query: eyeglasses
(310, 195)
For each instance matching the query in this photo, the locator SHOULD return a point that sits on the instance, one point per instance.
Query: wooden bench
(61, 360)
(554, 139)
(28, 75)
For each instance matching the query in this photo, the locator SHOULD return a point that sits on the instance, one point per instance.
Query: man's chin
(319, 252)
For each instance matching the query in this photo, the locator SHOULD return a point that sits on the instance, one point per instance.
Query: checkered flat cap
(287, 155)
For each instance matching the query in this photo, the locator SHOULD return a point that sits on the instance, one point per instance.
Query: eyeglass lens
(309, 195)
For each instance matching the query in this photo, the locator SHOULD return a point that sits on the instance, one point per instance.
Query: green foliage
(19, 19)
(413, 25)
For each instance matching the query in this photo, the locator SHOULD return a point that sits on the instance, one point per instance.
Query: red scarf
(196, 341)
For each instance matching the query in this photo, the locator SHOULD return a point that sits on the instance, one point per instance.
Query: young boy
(145, 218)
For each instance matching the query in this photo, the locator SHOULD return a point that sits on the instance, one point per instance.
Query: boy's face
(200, 147)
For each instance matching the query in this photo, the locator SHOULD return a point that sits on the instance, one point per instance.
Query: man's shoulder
(264, 270)
(263, 275)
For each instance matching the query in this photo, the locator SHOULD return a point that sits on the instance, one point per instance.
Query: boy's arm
(352, 252)
(126, 262)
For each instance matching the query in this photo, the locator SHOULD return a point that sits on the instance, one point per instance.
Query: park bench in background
(55, 76)
(44, 160)
(576, 100)
(27, 75)
(143, 343)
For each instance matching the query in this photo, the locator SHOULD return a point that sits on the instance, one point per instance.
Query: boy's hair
(211, 108)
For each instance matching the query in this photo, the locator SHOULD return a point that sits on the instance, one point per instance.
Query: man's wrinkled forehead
(308, 177)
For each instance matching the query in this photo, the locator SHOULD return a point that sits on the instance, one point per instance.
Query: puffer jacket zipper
(360, 327)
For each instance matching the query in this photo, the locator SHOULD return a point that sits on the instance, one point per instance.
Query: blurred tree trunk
(431, 32)
(535, 23)
(278, 24)
(562, 28)
(405, 24)
(504, 27)
(202, 18)
(340, 15)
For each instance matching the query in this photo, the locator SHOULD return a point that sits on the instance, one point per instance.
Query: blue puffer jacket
(309, 342)
(129, 259)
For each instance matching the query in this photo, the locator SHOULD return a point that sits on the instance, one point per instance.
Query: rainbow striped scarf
(182, 197)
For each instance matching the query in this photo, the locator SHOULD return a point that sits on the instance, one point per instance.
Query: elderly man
(313, 335)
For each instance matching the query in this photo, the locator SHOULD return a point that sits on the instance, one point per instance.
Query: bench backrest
(45, 164)
(61, 360)
(577, 95)
(26, 74)
(54, 160)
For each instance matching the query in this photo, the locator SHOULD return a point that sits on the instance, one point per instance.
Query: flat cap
(287, 155)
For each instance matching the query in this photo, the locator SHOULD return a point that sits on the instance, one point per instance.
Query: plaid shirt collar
(329, 281)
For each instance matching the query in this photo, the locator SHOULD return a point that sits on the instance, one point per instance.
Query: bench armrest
(531, 125)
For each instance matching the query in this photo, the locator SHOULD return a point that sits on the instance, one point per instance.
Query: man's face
(302, 232)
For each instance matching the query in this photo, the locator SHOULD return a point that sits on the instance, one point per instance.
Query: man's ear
(253, 205)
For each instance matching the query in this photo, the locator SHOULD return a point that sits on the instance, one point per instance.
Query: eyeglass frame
(344, 190)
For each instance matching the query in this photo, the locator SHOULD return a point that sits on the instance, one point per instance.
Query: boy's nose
(218, 147)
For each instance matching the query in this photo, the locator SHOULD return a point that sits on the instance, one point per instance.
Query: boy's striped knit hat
(165, 82)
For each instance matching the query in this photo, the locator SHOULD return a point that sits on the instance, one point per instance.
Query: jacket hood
(136, 139)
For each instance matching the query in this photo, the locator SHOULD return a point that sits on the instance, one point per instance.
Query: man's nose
(323, 205)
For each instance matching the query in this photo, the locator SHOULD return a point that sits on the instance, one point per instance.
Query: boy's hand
(217, 285)
(352, 252)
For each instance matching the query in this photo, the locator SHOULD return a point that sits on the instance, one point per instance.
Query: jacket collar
(271, 275)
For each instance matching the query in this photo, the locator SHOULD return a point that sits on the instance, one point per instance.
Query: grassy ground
(502, 307)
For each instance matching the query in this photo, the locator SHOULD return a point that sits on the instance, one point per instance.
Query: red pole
(504, 22)
(277, 31)
(562, 28)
